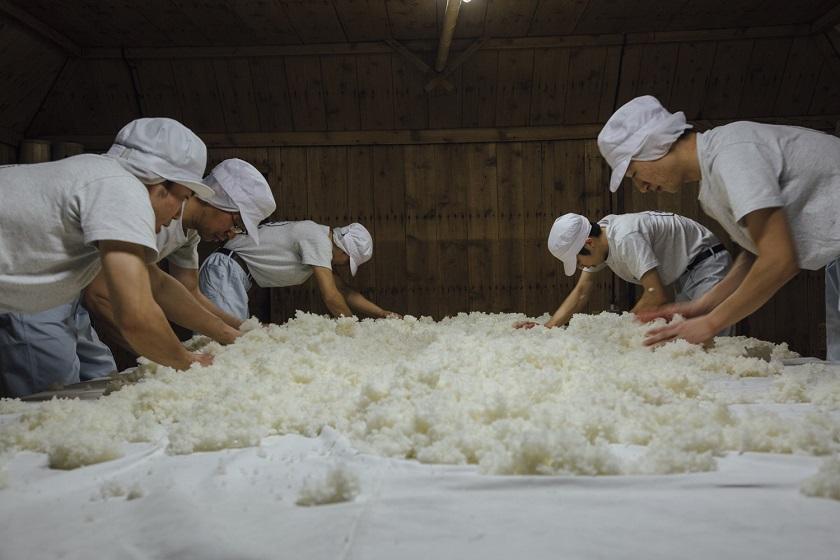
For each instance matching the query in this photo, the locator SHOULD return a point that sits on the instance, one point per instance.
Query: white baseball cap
(355, 240)
(641, 129)
(237, 186)
(567, 237)
(158, 149)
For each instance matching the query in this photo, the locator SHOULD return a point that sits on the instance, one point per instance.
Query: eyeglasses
(238, 227)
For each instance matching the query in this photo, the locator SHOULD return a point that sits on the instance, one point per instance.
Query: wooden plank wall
(456, 227)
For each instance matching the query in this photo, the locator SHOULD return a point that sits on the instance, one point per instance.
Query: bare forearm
(337, 306)
(183, 309)
(650, 300)
(727, 286)
(359, 303)
(574, 303)
(762, 281)
(151, 336)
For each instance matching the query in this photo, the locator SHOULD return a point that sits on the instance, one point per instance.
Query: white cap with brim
(355, 240)
(641, 129)
(158, 149)
(567, 237)
(239, 187)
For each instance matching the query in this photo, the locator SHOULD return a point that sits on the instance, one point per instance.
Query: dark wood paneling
(764, 77)
(727, 78)
(363, 20)
(694, 64)
(800, 77)
(272, 94)
(306, 93)
(509, 18)
(341, 92)
(376, 96)
(236, 90)
(513, 101)
(29, 66)
(479, 83)
(411, 19)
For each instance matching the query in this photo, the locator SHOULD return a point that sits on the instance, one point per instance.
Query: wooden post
(61, 150)
(34, 151)
(450, 19)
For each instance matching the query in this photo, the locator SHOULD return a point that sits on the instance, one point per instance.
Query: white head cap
(239, 187)
(641, 129)
(158, 149)
(356, 241)
(566, 239)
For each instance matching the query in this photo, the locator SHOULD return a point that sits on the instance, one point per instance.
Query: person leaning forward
(672, 257)
(287, 255)
(241, 199)
(63, 221)
(774, 189)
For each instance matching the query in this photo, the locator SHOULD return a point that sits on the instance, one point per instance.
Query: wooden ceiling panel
(413, 19)
(98, 91)
(217, 21)
(267, 20)
(163, 23)
(363, 20)
(627, 16)
(509, 18)
(173, 24)
(29, 67)
(157, 88)
(557, 17)
(316, 21)
(119, 23)
(61, 15)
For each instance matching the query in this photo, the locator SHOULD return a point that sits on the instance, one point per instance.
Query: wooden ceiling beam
(456, 63)
(450, 20)
(380, 47)
(437, 80)
(42, 30)
(428, 136)
(827, 20)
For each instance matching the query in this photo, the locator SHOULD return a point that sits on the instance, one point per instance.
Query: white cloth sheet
(241, 504)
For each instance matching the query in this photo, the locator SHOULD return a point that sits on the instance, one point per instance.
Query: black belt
(237, 258)
(705, 254)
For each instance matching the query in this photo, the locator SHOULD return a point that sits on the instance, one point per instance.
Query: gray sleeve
(118, 209)
(315, 247)
(749, 174)
(186, 256)
(637, 254)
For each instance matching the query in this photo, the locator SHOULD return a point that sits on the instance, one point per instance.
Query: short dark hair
(594, 232)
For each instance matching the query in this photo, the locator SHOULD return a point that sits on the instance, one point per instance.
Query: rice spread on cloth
(465, 390)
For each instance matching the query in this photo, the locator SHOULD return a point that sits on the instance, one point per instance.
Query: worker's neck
(191, 213)
(685, 150)
(601, 243)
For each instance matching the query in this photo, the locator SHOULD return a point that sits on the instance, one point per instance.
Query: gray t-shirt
(51, 217)
(748, 166)
(286, 253)
(178, 245)
(647, 240)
